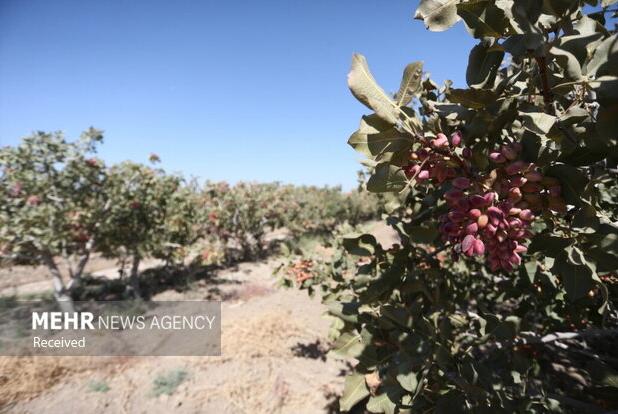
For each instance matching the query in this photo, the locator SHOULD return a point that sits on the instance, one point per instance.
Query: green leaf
(407, 377)
(519, 45)
(483, 19)
(376, 137)
(502, 329)
(568, 62)
(552, 246)
(606, 88)
(366, 90)
(533, 147)
(605, 261)
(572, 180)
(387, 178)
(586, 220)
(410, 83)
(587, 25)
(607, 123)
(360, 245)
(538, 122)
(354, 391)
(472, 98)
(349, 344)
(452, 111)
(422, 234)
(438, 15)
(381, 404)
(483, 64)
(605, 59)
(578, 45)
(559, 7)
(574, 115)
(529, 270)
(602, 247)
(576, 278)
(522, 14)
(347, 311)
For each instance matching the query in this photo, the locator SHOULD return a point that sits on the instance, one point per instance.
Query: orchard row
(62, 203)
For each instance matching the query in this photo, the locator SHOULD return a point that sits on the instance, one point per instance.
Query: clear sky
(222, 90)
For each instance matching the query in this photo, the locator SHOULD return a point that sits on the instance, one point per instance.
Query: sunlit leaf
(366, 90)
(410, 83)
(354, 391)
(438, 15)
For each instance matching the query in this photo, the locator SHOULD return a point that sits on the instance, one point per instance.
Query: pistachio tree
(240, 216)
(52, 202)
(135, 226)
(500, 295)
(182, 225)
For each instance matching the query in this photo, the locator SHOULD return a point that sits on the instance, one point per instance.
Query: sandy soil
(273, 361)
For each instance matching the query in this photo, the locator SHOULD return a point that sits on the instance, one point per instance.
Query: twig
(532, 338)
(547, 94)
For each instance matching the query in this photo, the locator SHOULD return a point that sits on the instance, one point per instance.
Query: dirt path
(274, 345)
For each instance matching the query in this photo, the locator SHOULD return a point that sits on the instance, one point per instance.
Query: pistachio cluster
(488, 214)
(436, 160)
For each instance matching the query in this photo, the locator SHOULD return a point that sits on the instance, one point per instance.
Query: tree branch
(547, 94)
(532, 338)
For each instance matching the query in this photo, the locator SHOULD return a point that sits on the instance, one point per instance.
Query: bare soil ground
(32, 280)
(274, 345)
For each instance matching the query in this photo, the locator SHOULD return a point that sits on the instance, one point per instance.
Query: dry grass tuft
(258, 387)
(264, 335)
(24, 378)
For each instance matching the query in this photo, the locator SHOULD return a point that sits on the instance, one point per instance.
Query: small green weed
(168, 382)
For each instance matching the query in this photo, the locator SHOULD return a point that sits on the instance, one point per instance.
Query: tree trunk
(79, 270)
(134, 277)
(75, 272)
(60, 292)
(83, 260)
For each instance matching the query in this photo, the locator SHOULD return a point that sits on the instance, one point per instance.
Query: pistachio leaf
(354, 391)
(386, 178)
(538, 122)
(438, 15)
(366, 90)
(483, 64)
(605, 59)
(483, 19)
(410, 83)
(376, 137)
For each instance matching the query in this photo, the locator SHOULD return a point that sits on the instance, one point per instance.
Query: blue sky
(235, 90)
